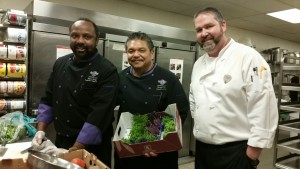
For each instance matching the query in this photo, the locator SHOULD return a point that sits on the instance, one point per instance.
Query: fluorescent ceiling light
(290, 15)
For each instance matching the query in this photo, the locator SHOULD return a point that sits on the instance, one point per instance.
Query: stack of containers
(13, 68)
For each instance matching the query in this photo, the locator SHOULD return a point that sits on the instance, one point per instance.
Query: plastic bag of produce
(12, 127)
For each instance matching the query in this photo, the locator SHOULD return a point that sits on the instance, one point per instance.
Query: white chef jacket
(232, 98)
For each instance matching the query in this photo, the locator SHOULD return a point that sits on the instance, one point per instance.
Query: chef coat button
(81, 76)
(124, 86)
(67, 135)
(59, 86)
(90, 64)
(152, 74)
(214, 83)
(75, 91)
(146, 102)
(149, 88)
(55, 118)
(56, 102)
(210, 108)
(70, 105)
(68, 121)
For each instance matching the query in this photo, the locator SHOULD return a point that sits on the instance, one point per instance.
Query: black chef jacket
(79, 93)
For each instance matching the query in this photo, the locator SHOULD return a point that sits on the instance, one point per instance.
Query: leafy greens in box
(150, 127)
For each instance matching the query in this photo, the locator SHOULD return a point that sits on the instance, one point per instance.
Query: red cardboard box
(90, 159)
(172, 141)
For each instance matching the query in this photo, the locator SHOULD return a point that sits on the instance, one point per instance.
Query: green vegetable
(168, 121)
(12, 128)
(149, 127)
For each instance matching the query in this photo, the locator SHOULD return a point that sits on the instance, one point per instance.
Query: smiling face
(210, 33)
(83, 39)
(139, 56)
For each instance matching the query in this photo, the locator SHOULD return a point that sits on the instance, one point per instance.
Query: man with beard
(80, 97)
(232, 99)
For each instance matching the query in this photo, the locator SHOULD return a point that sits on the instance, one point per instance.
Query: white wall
(134, 11)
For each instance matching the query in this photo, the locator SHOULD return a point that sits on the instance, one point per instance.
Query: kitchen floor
(266, 161)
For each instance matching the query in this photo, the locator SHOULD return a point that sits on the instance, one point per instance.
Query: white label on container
(3, 87)
(17, 104)
(10, 87)
(12, 51)
(16, 35)
(20, 52)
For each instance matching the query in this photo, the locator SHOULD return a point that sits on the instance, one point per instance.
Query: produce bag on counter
(31, 130)
(12, 127)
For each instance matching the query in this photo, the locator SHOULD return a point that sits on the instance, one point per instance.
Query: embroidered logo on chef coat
(161, 85)
(92, 77)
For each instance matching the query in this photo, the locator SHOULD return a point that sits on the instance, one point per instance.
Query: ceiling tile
(244, 14)
(199, 3)
(230, 10)
(274, 23)
(262, 6)
(166, 5)
(292, 3)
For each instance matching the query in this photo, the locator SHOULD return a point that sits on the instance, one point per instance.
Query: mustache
(204, 39)
(79, 45)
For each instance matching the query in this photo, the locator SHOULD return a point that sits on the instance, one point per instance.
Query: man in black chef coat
(146, 87)
(80, 97)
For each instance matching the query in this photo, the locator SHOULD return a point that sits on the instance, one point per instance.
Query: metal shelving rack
(287, 141)
(15, 96)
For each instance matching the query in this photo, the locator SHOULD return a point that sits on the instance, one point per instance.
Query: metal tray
(293, 127)
(38, 160)
(290, 163)
(292, 146)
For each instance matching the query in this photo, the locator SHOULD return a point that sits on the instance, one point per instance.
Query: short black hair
(218, 15)
(140, 36)
(87, 20)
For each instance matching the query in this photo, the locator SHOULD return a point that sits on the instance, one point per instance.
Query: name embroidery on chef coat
(92, 77)
(161, 85)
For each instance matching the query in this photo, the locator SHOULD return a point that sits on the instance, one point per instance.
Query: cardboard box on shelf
(172, 141)
(90, 159)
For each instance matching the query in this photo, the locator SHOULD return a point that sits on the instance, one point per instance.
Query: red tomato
(78, 161)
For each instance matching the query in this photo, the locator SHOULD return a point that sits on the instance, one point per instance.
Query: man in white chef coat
(232, 99)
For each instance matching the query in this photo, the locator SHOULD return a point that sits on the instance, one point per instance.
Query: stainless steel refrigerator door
(114, 52)
(163, 59)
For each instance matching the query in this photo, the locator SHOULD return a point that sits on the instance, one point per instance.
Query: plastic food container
(16, 52)
(2, 69)
(16, 35)
(16, 70)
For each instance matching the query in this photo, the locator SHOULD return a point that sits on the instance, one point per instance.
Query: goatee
(208, 48)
